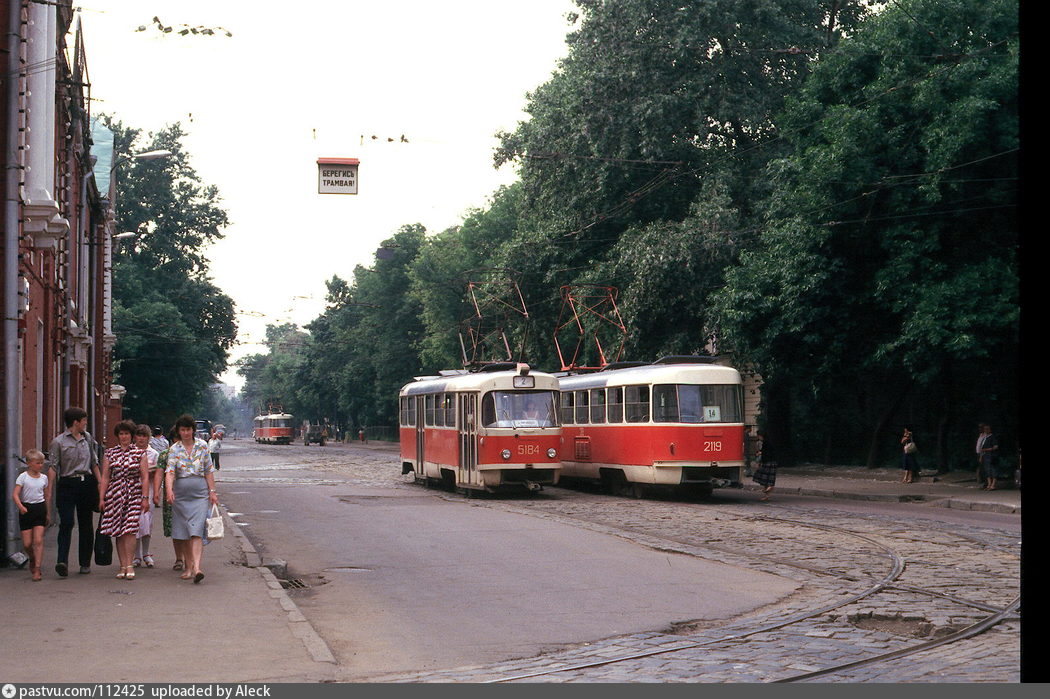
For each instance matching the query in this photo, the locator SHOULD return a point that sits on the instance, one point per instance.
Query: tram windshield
(519, 409)
(696, 403)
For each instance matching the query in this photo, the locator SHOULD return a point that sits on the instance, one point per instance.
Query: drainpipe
(12, 445)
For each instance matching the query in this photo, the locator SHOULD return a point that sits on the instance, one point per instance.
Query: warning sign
(337, 175)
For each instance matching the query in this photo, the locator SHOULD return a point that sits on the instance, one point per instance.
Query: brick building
(57, 237)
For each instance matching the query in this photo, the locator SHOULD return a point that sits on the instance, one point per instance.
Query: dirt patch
(906, 628)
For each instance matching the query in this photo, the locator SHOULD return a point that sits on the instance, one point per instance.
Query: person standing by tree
(989, 448)
(73, 468)
(909, 457)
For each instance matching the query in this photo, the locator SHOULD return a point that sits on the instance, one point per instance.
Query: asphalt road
(400, 578)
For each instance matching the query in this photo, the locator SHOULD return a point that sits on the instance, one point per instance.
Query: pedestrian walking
(73, 468)
(158, 441)
(215, 447)
(751, 448)
(191, 491)
(124, 489)
(909, 457)
(980, 440)
(166, 514)
(142, 554)
(989, 453)
(32, 496)
(766, 474)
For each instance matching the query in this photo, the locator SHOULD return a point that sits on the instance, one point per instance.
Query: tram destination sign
(337, 175)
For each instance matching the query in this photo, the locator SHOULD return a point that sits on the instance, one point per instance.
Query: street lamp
(145, 155)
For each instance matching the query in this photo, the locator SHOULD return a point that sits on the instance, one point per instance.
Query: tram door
(468, 438)
(420, 433)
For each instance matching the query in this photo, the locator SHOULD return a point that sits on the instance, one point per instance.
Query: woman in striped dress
(123, 492)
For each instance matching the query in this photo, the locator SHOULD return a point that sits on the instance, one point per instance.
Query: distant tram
(483, 431)
(675, 423)
(274, 428)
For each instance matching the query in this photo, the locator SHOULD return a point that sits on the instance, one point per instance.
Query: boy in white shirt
(32, 495)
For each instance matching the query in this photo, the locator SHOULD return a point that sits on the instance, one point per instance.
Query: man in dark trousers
(72, 463)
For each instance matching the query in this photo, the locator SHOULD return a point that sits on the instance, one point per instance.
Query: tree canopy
(174, 326)
(824, 191)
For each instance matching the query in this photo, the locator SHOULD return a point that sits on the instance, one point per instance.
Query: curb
(301, 628)
(1001, 508)
(931, 500)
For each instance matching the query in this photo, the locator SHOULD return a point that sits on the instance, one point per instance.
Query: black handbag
(103, 547)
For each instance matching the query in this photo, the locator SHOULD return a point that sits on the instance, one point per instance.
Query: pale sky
(304, 81)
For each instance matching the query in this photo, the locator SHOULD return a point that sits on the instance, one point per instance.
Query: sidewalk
(955, 489)
(238, 625)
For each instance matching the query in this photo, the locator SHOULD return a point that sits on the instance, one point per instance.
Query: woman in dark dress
(766, 475)
(909, 458)
(989, 454)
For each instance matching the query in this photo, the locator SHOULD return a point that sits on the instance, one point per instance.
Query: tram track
(888, 581)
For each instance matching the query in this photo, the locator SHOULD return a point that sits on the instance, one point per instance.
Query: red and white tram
(485, 430)
(676, 422)
(274, 428)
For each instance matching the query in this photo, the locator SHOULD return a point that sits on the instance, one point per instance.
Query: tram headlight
(505, 454)
(551, 453)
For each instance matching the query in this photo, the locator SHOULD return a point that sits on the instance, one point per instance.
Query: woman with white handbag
(191, 492)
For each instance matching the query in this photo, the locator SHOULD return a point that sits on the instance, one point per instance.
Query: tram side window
(450, 409)
(567, 408)
(636, 403)
(665, 403)
(678, 403)
(429, 410)
(598, 405)
(439, 410)
(616, 404)
(582, 417)
(408, 412)
(722, 403)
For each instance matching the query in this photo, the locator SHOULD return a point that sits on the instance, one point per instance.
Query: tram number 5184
(528, 449)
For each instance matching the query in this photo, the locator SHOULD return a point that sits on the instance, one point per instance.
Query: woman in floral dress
(191, 492)
(123, 492)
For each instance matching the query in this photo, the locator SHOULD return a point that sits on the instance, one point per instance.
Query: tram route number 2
(713, 446)
(528, 449)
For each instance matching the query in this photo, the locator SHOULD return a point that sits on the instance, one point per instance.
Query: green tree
(642, 160)
(447, 262)
(174, 327)
(365, 345)
(271, 378)
(889, 261)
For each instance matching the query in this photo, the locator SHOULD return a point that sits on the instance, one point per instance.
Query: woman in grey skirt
(191, 492)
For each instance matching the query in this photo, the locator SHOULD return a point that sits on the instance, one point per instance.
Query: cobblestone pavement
(873, 584)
